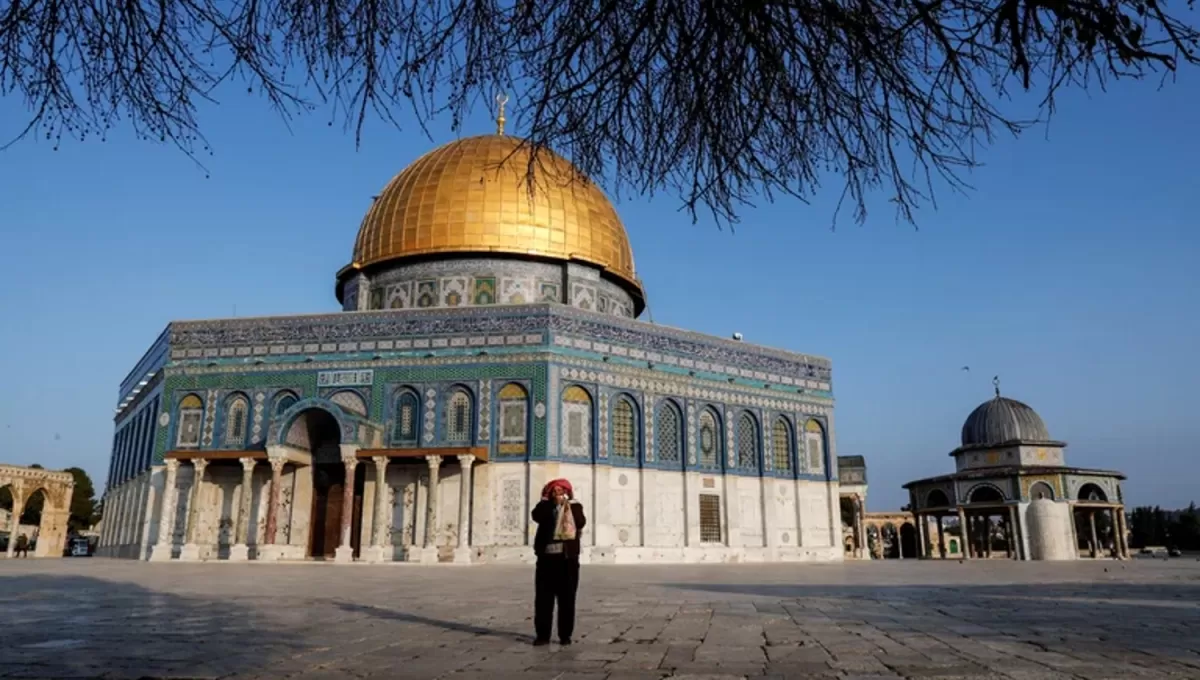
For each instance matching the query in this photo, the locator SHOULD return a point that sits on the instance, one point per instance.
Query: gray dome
(1001, 420)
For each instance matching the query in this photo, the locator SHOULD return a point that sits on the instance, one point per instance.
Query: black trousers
(556, 578)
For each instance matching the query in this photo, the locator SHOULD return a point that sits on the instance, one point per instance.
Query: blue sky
(1071, 271)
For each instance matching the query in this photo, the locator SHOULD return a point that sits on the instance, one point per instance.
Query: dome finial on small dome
(501, 100)
(996, 384)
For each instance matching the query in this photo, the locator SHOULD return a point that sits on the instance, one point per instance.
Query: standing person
(560, 523)
(22, 546)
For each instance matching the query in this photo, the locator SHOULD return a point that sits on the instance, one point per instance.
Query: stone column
(191, 550)
(1122, 534)
(381, 522)
(941, 538)
(1014, 534)
(462, 553)
(345, 551)
(166, 520)
(269, 551)
(1095, 541)
(429, 554)
(964, 536)
(240, 551)
(922, 544)
(14, 518)
(859, 525)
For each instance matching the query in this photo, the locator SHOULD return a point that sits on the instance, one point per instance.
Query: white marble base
(190, 553)
(377, 553)
(463, 555)
(415, 553)
(161, 552)
(267, 553)
(239, 552)
(343, 555)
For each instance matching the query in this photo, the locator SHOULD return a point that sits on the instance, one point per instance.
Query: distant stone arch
(57, 488)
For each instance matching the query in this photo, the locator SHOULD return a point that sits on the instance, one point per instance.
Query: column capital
(466, 460)
(434, 462)
(200, 464)
(349, 451)
(277, 464)
(248, 464)
(380, 461)
(172, 464)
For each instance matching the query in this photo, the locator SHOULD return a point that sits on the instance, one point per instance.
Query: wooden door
(333, 519)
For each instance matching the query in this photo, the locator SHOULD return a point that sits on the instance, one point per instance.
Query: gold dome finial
(501, 100)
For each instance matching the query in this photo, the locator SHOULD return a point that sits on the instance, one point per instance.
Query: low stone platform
(1002, 620)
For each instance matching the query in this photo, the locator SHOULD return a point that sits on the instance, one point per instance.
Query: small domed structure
(1002, 420)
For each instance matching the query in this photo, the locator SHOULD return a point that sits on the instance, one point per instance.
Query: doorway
(328, 486)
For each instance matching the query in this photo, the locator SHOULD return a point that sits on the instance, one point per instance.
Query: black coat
(543, 514)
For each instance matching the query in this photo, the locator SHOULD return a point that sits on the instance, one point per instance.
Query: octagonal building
(489, 342)
(1012, 494)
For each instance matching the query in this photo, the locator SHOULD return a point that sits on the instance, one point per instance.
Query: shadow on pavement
(77, 626)
(405, 617)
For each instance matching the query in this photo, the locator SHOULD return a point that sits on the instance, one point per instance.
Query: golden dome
(470, 196)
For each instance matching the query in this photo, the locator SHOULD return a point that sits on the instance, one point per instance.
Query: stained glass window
(709, 438)
(747, 443)
(623, 430)
(781, 445)
(668, 439)
(283, 402)
(458, 417)
(191, 409)
(404, 430)
(235, 421)
(815, 436)
(577, 422)
(513, 418)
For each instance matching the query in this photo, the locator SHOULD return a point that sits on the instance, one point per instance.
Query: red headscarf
(563, 484)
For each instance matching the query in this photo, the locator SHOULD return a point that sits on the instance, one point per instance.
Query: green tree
(83, 500)
(721, 103)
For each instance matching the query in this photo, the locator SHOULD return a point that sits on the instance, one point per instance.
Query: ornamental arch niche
(1092, 492)
(1039, 490)
(937, 498)
(46, 526)
(985, 493)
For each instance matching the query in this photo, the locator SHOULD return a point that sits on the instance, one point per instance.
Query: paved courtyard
(79, 618)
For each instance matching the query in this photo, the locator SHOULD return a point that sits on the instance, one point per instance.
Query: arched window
(710, 439)
(514, 418)
(236, 410)
(284, 401)
(814, 442)
(781, 445)
(576, 422)
(458, 417)
(407, 424)
(668, 436)
(191, 410)
(624, 429)
(747, 442)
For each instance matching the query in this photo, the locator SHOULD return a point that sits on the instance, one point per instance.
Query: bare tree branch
(717, 102)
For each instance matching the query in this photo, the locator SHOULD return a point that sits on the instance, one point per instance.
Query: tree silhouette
(717, 102)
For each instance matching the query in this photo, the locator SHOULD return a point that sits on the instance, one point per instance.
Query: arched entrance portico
(318, 432)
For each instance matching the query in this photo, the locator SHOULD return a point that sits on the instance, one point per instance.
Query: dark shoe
(540, 642)
(565, 642)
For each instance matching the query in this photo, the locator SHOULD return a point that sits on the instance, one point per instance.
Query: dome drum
(468, 281)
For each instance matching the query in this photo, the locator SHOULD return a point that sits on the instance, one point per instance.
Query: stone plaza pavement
(75, 618)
